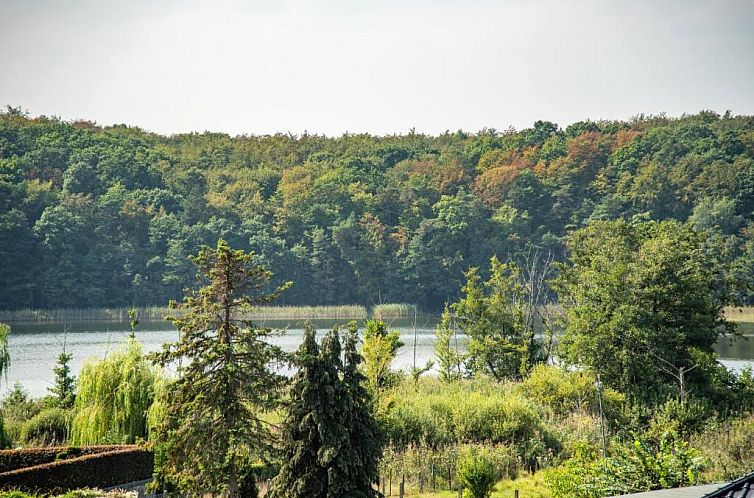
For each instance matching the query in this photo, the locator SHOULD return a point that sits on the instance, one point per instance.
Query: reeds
(744, 314)
(158, 313)
(392, 311)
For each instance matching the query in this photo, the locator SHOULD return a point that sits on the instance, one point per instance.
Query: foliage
(727, 448)
(637, 465)
(379, 349)
(105, 216)
(98, 470)
(449, 359)
(437, 415)
(476, 474)
(64, 389)
(644, 305)
(225, 379)
(113, 397)
(502, 343)
(331, 441)
(48, 428)
(4, 353)
(566, 392)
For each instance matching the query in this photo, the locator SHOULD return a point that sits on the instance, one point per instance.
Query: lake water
(34, 348)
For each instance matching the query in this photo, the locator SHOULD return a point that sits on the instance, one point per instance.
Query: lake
(34, 348)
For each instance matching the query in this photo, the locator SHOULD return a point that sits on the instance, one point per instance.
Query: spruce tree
(226, 380)
(366, 440)
(332, 443)
(64, 389)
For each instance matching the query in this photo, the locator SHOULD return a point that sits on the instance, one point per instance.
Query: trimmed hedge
(29, 457)
(98, 470)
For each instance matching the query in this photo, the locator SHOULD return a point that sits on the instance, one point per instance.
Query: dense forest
(106, 216)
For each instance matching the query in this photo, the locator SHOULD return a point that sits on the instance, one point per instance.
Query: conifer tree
(64, 389)
(363, 448)
(332, 443)
(303, 474)
(226, 381)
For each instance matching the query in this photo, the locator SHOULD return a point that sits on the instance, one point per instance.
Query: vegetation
(331, 442)
(379, 349)
(105, 216)
(225, 382)
(644, 305)
(476, 474)
(447, 353)
(64, 389)
(113, 397)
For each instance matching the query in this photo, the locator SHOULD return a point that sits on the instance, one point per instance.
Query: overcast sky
(382, 66)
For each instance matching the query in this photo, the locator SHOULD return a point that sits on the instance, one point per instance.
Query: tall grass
(393, 311)
(744, 314)
(158, 313)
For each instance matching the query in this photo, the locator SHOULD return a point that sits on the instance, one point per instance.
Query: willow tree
(226, 377)
(113, 397)
(4, 364)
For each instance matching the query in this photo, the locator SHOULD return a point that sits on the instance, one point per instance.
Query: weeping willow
(114, 396)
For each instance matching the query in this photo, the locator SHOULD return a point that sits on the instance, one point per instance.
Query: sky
(382, 66)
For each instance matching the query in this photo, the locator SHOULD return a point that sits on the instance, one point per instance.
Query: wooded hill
(106, 216)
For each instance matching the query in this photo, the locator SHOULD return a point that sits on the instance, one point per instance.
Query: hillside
(105, 216)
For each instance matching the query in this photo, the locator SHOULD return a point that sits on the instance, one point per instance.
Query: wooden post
(400, 489)
(460, 492)
(515, 493)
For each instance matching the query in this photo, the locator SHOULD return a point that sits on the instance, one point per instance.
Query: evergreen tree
(225, 382)
(64, 390)
(363, 448)
(332, 443)
(309, 426)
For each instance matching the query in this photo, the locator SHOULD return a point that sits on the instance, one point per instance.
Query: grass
(528, 486)
(158, 313)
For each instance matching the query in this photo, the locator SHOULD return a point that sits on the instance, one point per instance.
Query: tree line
(106, 216)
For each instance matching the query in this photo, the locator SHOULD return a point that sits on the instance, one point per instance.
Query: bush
(566, 392)
(638, 465)
(99, 470)
(476, 474)
(48, 428)
(469, 412)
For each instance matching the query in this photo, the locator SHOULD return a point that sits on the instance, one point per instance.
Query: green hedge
(99, 470)
(29, 457)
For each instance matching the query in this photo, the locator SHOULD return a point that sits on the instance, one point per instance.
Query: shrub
(99, 470)
(49, 427)
(639, 465)
(565, 392)
(476, 474)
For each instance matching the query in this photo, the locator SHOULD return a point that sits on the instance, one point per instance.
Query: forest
(94, 216)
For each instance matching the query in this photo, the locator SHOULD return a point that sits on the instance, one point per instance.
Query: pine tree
(226, 382)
